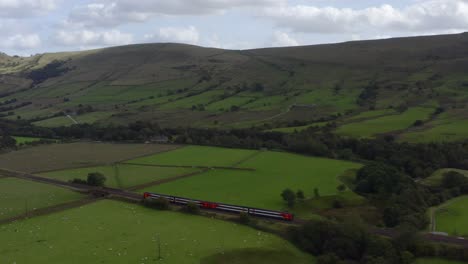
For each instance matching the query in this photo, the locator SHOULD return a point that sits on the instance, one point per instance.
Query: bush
(79, 181)
(289, 196)
(96, 179)
(300, 195)
(161, 203)
(192, 208)
(244, 218)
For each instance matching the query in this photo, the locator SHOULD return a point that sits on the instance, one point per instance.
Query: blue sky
(36, 26)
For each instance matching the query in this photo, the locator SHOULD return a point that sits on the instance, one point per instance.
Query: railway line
(136, 197)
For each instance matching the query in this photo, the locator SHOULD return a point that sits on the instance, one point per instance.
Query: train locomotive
(223, 207)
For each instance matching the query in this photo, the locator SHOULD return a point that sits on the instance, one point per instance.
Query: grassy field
(448, 130)
(121, 175)
(19, 196)
(197, 156)
(82, 154)
(275, 171)
(452, 217)
(22, 140)
(299, 128)
(436, 261)
(115, 232)
(372, 127)
(436, 178)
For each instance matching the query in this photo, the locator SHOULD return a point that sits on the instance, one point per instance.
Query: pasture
(274, 172)
(198, 156)
(121, 175)
(372, 127)
(452, 217)
(81, 154)
(448, 130)
(114, 232)
(436, 178)
(23, 140)
(19, 196)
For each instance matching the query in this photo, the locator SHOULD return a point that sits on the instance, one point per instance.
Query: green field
(122, 175)
(18, 196)
(446, 130)
(373, 127)
(452, 217)
(23, 140)
(81, 154)
(275, 172)
(436, 261)
(115, 232)
(436, 178)
(197, 156)
(299, 128)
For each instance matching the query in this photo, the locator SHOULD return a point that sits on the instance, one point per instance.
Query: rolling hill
(416, 86)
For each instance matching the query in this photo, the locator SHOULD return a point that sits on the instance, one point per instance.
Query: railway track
(136, 197)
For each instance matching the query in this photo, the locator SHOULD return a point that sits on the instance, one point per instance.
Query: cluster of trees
(290, 197)
(13, 107)
(350, 241)
(6, 141)
(93, 179)
(51, 70)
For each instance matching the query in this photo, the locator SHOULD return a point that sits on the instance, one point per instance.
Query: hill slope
(176, 84)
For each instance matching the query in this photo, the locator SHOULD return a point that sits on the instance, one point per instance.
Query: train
(277, 215)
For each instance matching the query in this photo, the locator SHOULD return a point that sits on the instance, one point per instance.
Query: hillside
(357, 85)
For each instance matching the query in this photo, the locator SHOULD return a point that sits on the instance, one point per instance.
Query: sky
(36, 26)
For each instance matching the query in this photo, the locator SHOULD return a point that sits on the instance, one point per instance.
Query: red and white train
(223, 207)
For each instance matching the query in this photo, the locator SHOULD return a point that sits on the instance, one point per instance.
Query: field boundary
(251, 156)
(188, 166)
(434, 210)
(49, 210)
(162, 181)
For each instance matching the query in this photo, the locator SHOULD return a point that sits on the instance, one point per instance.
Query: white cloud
(188, 35)
(25, 8)
(88, 38)
(421, 16)
(21, 42)
(282, 39)
(117, 12)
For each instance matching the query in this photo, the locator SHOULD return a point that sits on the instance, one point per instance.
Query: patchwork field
(389, 123)
(121, 175)
(115, 232)
(18, 197)
(82, 154)
(436, 178)
(274, 172)
(452, 217)
(198, 156)
(440, 130)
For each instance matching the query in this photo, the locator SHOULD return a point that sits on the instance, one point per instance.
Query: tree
(300, 195)
(96, 179)
(453, 179)
(341, 188)
(316, 193)
(192, 208)
(289, 196)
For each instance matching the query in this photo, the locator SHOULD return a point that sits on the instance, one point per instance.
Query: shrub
(78, 181)
(300, 195)
(96, 179)
(244, 218)
(161, 203)
(192, 208)
(289, 196)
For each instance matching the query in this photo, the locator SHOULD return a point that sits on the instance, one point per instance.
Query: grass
(88, 118)
(452, 217)
(373, 114)
(275, 171)
(385, 124)
(197, 156)
(115, 232)
(121, 176)
(19, 196)
(81, 154)
(436, 178)
(23, 140)
(448, 130)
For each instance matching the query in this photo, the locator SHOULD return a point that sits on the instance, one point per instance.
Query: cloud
(282, 39)
(118, 12)
(25, 8)
(421, 16)
(188, 35)
(21, 42)
(88, 38)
